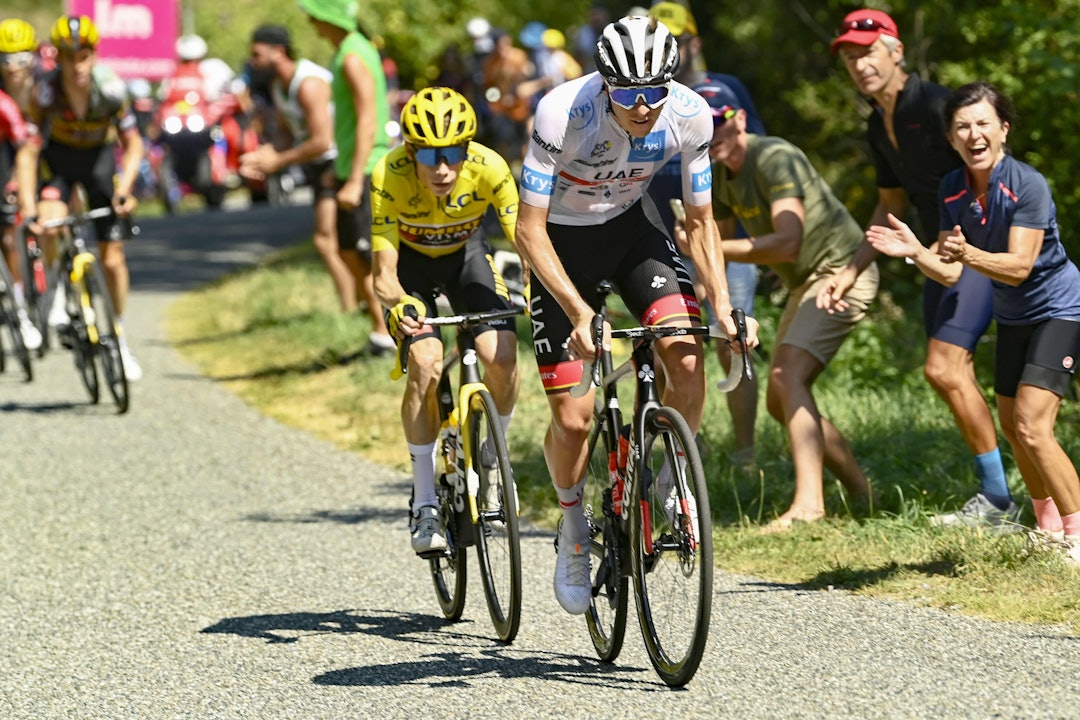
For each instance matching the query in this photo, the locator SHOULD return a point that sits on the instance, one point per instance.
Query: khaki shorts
(806, 326)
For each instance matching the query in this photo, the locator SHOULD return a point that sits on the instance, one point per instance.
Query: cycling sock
(422, 458)
(504, 420)
(991, 474)
(577, 527)
(18, 295)
(1047, 516)
(1071, 524)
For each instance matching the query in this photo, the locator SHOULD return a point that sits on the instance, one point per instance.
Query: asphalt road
(194, 559)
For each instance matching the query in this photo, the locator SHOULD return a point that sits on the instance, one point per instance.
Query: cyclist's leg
(656, 287)
(480, 288)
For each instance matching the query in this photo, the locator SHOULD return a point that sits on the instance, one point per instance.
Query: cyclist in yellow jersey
(77, 111)
(429, 197)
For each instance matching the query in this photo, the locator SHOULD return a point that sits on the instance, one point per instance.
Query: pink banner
(137, 37)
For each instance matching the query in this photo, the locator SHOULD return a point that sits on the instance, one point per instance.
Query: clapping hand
(896, 241)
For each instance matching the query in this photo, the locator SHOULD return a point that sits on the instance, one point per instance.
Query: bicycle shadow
(80, 408)
(455, 656)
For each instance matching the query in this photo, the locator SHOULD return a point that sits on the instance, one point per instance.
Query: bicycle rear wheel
(497, 542)
(108, 337)
(606, 616)
(672, 549)
(10, 316)
(448, 571)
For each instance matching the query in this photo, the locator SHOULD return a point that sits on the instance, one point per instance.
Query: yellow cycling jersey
(404, 211)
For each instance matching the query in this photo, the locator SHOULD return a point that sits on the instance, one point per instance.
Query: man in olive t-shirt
(799, 229)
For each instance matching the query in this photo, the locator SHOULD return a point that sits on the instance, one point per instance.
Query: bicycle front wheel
(497, 542)
(10, 316)
(672, 548)
(108, 337)
(448, 571)
(606, 616)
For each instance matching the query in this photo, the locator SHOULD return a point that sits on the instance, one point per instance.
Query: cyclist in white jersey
(584, 217)
(300, 91)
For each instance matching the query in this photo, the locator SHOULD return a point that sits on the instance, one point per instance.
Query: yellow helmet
(72, 33)
(438, 117)
(16, 36)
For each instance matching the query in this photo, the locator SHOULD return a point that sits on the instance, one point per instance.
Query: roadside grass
(274, 336)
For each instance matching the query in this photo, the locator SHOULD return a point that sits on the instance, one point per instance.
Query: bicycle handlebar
(590, 376)
(466, 320)
(76, 219)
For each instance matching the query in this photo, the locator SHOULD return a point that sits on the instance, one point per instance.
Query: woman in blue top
(997, 217)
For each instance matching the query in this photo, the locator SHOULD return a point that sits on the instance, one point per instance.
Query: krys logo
(581, 115)
(684, 102)
(649, 148)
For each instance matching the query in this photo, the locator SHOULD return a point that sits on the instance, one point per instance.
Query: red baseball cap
(864, 27)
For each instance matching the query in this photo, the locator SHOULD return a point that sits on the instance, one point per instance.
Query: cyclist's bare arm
(534, 245)
(26, 176)
(703, 242)
(388, 288)
(124, 200)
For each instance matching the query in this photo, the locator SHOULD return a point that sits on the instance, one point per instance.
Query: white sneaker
(573, 570)
(426, 533)
(31, 335)
(132, 370)
(1071, 547)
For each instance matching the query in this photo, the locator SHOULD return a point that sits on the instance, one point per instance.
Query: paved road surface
(196, 560)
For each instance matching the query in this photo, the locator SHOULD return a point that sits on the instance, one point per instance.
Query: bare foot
(785, 522)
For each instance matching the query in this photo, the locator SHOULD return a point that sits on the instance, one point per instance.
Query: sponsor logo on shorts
(1067, 362)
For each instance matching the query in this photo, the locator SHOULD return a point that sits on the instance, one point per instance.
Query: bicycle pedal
(434, 554)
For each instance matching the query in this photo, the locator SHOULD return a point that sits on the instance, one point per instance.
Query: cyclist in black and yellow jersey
(429, 197)
(77, 113)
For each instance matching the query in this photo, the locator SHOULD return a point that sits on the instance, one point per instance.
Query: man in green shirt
(798, 228)
(361, 111)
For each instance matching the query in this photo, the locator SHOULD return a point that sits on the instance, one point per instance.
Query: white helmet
(637, 51)
(191, 47)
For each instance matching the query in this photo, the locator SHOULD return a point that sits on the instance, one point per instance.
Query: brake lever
(739, 317)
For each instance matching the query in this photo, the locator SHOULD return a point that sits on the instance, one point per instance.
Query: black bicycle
(92, 331)
(648, 508)
(477, 494)
(9, 317)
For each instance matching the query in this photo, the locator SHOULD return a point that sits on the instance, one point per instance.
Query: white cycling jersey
(586, 169)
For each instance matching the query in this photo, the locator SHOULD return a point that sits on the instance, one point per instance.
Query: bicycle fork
(79, 267)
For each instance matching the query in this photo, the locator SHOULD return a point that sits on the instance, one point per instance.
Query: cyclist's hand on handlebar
(727, 323)
(581, 344)
(403, 323)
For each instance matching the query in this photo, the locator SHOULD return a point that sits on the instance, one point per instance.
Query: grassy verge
(273, 335)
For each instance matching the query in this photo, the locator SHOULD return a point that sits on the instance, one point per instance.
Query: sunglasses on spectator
(864, 25)
(431, 157)
(18, 59)
(628, 97)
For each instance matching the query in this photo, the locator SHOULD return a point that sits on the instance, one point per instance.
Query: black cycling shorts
(467, 277)
(640, 261)
(1043, 354)
(93, 168)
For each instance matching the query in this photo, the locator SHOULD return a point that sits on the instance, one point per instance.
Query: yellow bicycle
(92, 333)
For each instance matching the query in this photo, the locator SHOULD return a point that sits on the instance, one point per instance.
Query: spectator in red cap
(911, 154)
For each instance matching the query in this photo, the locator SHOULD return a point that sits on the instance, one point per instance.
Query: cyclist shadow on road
(350, 516)
(457, 654)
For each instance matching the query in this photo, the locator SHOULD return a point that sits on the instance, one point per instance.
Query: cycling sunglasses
(628, 97)
(18, 59)
(431, 157)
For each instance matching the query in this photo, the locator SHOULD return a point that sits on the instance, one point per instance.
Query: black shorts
(1043, 354)
(467, 277)
(354, 226)
(640, 261)
(93, 168)
(321, 179)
